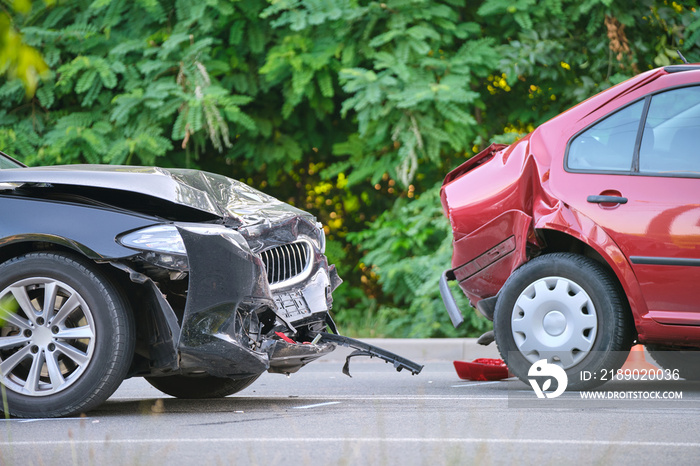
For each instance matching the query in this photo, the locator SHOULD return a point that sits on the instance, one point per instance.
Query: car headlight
(162, 245)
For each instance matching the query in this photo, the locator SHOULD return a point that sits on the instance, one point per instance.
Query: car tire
(684, 360)
(565, 308)
(67, 357)
(199, 387)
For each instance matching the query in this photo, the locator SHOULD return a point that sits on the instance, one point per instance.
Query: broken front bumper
(363, 349)
(229, 324)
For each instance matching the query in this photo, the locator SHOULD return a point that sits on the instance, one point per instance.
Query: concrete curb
(421, 350)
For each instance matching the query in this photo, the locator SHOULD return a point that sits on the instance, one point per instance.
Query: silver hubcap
(554, 318)
(47, 336)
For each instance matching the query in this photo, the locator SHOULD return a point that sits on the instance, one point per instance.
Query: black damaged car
(195, 281)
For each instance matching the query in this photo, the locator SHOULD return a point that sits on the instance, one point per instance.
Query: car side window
(671, 137)
(609, 144)
(8, 163)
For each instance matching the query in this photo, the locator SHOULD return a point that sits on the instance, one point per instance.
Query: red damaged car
(584, 236)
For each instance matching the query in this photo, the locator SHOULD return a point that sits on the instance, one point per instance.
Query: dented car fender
(516, 207)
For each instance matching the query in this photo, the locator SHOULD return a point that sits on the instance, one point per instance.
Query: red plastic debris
(482, 369)
(285, 338)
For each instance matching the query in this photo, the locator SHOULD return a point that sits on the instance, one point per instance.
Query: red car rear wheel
(565, 308)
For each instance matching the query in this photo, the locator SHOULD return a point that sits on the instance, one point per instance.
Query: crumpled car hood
(207, 192)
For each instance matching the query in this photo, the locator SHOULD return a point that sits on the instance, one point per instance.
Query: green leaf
(46, 96)
(85, 81)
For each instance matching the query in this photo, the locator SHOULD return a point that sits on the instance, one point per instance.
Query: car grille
(286, 262)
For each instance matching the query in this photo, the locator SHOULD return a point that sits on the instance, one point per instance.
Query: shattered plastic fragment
(482, 369)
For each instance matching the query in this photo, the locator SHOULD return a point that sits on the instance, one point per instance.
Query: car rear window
(609, 144)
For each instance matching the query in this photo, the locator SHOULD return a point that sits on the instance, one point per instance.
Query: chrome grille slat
(286, 261)
(294, 255)
(276, 267)
(297, 260)
(285, 251)
(272, 262)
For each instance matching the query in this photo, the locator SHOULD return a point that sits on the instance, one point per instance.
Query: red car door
(636, 173)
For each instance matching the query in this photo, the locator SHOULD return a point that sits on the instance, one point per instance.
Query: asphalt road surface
(320, 416)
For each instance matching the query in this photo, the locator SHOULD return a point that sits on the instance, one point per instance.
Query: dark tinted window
(609, 144)
(671, 138)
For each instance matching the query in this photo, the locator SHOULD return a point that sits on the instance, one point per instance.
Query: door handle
(607, 199)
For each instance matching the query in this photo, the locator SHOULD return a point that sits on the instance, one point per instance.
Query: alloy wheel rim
(554, 318)
(47, 336)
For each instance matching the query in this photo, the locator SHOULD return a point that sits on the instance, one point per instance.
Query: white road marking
(476, 384)
(277, 440)
(463, 398)
(21, 421)
(318, 405)
(333, 397)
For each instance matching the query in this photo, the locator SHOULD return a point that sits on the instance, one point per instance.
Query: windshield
(8, 162)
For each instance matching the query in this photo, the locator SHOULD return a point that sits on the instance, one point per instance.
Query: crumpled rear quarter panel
(490, 209)
(513, 196)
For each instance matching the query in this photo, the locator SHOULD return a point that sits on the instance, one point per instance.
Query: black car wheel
(567, 309)
(199, 387)
(66, 337)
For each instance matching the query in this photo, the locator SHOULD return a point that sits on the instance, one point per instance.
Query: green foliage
(8, 307)
(128, 85)
(352, 109)
(408, 248)
(557, 53)
(407, 71)
(17, 59)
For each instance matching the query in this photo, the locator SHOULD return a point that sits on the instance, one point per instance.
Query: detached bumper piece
(449, 300)
(485, 306)
(363, 349)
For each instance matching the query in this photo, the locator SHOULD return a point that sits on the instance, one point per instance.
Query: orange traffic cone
(637, 361)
